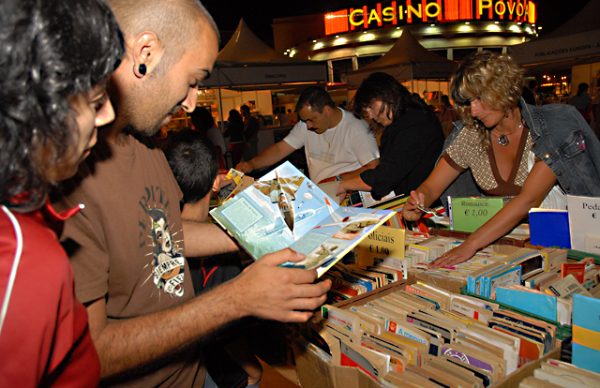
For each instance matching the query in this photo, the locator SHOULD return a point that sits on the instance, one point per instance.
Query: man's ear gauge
(142, 69)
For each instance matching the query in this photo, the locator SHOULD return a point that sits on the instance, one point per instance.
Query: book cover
(238, 181)
(539, 304)
(284, 209)
(584, 223)
(586, 332)
(549, 228)
(467, 214)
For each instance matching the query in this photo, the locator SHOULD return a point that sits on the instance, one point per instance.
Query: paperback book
(284, 209)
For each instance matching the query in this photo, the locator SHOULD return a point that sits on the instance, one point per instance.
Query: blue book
(506, 276)
(549, 228)
(544, 306)
(586, 332)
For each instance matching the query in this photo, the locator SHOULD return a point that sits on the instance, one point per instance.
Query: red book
(576, 269)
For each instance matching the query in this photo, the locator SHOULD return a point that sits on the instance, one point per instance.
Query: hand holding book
(266, 290)
(285, 209)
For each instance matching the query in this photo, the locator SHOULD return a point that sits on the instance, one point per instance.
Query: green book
(467, 214)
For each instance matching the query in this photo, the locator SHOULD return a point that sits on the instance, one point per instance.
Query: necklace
(503, 139)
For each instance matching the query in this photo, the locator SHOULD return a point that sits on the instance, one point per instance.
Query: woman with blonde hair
(533, 154)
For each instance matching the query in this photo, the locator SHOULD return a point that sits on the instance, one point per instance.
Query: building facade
(350, 38)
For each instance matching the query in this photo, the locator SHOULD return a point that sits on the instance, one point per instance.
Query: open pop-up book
(285, 209)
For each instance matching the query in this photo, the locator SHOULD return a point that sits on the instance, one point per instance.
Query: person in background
(251, 127)
(531, 153)
(411, 142)
(596, 104)
(335, 142)
(205, 123)
(55, 57)
(128, 247)
(583, 102)
(447, 116)
(235, 133)
(293, 117)
(529, 93)
(195, 169)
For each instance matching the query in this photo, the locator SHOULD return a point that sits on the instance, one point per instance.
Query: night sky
(259, 14)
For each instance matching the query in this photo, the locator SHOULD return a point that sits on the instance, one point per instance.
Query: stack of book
(349, 281)
(555, 373)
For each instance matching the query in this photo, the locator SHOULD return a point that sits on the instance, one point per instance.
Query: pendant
(503, 140)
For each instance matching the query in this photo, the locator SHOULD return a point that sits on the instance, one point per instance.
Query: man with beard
(127, 246)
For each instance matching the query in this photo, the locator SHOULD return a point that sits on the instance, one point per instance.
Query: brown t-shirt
(466, 151)
(127, 245)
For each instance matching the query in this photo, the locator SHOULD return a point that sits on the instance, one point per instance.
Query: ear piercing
(142, 69)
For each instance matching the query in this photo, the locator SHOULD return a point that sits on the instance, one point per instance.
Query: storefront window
(341, 67)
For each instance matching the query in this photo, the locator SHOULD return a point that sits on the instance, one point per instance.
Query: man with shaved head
(128, 245)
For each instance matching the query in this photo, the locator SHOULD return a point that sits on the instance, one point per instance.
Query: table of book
(404, 350)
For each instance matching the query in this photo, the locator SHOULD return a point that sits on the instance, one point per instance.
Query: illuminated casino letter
(520, 9)
(418, 12)
(352, 18)
(511, 8)
(388, 14)
(373, 15)
(500, 5)
(484, 4)
(433, 13)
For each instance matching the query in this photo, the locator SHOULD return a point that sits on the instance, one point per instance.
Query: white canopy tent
(246, 62)
(577, 41)
(407, 60)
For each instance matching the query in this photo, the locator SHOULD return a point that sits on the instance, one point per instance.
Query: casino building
(350, 38)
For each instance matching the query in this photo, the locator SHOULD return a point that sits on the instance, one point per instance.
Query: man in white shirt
(335, 142)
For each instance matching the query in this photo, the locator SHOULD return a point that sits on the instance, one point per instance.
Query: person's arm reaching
(536, 187)
(441, 177)
(268, 157)
(263, 290)
(205, 239)
(354, 183)
(356, 173)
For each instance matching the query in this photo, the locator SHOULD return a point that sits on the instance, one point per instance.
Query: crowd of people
(98, 224)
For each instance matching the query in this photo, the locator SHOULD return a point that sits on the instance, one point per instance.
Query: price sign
(467, 214)
(380, 244)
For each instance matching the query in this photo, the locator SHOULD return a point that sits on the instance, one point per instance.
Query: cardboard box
(313, 371)
(514, 379)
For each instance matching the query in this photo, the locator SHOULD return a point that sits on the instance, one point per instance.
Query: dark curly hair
(49, 50)
(382, 86)
(193, 163)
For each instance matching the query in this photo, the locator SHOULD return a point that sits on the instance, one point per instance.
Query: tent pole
(220, 101)
(221, 108)
(412, 78)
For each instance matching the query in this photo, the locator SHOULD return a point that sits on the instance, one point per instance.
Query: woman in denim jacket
(508, 148)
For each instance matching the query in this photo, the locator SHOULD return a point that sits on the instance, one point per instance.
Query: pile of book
(552, 296)
(380, 259)
(555, 373)
(351, 280)
(424, 336)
